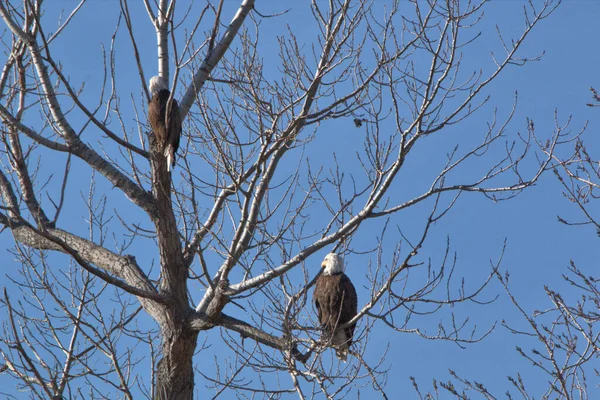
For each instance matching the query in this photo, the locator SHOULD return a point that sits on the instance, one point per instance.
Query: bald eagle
(166, 127)
(336, 302)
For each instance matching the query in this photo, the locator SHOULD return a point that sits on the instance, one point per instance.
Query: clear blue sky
(538, 247)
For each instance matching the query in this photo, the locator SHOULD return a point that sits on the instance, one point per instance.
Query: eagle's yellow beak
(323, 265)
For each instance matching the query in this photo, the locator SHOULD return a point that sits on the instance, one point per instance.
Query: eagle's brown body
(166, 130)
(336, 302)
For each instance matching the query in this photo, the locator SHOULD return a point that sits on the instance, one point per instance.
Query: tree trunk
(175, 372)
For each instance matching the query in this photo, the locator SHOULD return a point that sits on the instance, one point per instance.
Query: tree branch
(214, 57)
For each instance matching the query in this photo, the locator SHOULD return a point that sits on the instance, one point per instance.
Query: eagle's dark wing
(316, 300)
(173, 133)
(156, 117)
(349, 307)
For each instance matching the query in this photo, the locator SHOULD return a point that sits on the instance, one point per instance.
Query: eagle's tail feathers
(342, 353)
(170, 154)
(341, 343)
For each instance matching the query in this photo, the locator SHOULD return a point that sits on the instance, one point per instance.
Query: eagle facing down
(166, 127)
(336, 302)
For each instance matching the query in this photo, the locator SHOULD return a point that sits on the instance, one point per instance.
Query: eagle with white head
(336, 302)
(166, 126)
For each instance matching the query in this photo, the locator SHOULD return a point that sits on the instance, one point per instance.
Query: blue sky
(538, 247)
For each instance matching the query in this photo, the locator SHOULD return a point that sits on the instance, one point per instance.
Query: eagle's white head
(156, 84)
(332, 264)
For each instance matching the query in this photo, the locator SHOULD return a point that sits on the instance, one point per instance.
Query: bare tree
(236, 221)
(569, 328)
(567, 333)
(561, 341)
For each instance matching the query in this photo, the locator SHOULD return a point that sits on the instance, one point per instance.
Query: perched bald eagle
(166, 127)
(336, 303)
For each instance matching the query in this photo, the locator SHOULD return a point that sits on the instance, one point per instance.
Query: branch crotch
(218, 302)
